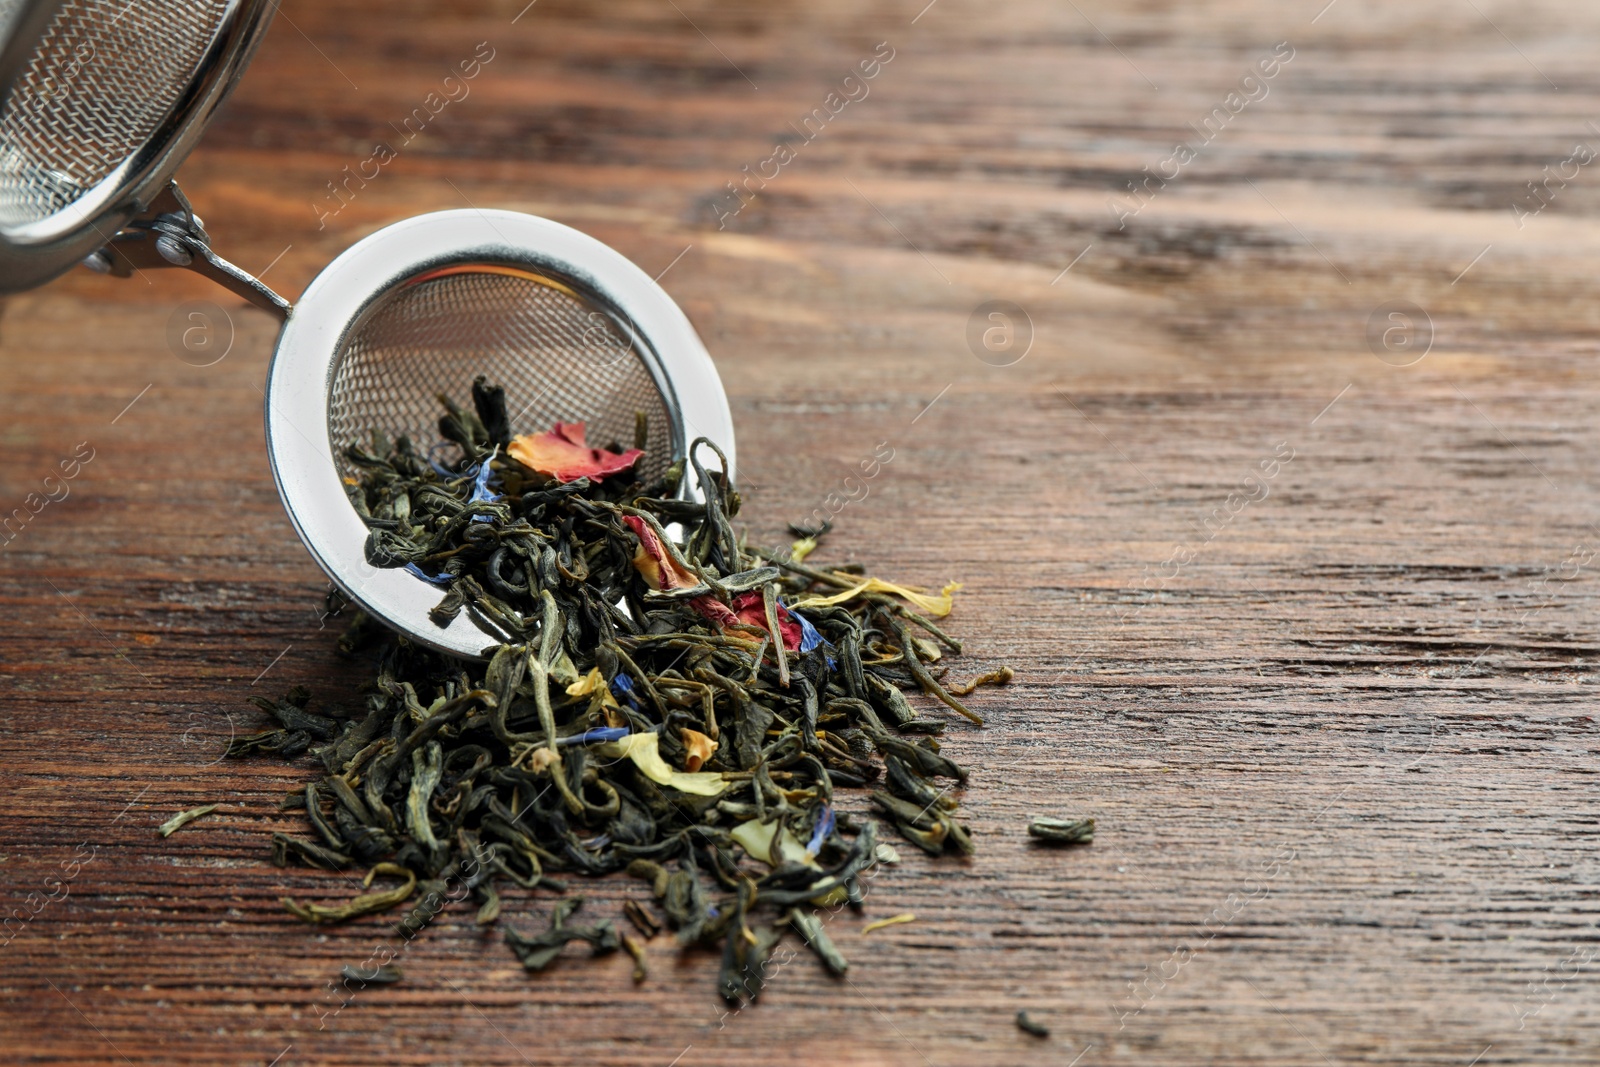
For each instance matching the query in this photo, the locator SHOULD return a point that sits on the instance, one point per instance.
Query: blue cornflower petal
(595, 736)
(480, 484)
(824, 827)
(439, 468)
(809, 637)
(622, 689)
(435, 579)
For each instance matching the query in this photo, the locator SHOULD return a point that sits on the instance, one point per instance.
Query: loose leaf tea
(661, 699)
(1029, 1026)
(1062, 831)
(380, 974)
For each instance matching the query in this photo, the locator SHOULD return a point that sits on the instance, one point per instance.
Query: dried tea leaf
(379, 974)
(641, 971)
(184, 818)
(810, 928)
(1062, 831)
(364, 904)
(541, 950)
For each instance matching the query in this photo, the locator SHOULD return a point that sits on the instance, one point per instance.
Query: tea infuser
(100, 100)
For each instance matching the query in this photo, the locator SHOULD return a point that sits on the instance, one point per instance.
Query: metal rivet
(172, 250)
(99, 262)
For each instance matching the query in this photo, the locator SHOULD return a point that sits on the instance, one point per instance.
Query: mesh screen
(104, 78)
(559, 357)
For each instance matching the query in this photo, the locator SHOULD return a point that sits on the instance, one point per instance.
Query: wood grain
(1338, 737)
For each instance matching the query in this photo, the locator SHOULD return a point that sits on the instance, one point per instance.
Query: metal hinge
(170, 234)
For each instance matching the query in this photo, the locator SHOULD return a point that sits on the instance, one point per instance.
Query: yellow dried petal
(593, 684)
(587, 684)
(645, 752)
(937, 606)
(772, 843)
(893, 920)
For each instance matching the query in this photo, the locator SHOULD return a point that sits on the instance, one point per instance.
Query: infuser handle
(169, 234)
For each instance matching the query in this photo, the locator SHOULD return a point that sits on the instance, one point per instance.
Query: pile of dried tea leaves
(687, 709)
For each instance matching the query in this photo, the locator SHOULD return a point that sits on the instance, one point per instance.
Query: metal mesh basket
(570, 328)
(100, 101)
(102, 80)
(560, 357)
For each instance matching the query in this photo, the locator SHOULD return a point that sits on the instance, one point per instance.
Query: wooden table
(1303, 620)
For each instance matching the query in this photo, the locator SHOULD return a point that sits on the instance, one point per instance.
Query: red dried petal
(751, 609)
(661, 571)
(565, 456)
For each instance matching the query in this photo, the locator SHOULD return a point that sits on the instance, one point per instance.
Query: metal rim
(300, 381)
(33, 254)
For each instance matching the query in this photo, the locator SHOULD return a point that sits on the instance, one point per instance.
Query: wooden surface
(1340, 742)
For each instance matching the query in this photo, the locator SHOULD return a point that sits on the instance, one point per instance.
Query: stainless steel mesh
(559, 357)
(102, 81)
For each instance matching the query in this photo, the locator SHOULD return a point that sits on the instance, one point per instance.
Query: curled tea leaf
(365, 904)
(641, 970)
(541, 950)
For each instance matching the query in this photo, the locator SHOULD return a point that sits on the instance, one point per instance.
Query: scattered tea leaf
(1062, 831)
(641, 919)
(364, 904)
(641, 970)
(1027, 1025)
(810, 928)
(1002, 676)
(541, 950)
(184, 818)
(378, 974)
